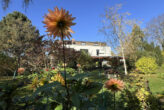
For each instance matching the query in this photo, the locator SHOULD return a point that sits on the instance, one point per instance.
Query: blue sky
(87, 12)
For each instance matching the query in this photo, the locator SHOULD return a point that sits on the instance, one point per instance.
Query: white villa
(95, 49)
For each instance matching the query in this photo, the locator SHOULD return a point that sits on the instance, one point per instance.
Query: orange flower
(114, 85)
(78, 65)
(21, 70)
(58, 23)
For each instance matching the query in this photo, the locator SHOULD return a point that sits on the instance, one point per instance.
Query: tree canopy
(155, 30)
(17, 33)
(134, 42)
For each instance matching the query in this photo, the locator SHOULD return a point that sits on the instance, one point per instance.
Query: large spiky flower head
(58, 23)
(114, 85)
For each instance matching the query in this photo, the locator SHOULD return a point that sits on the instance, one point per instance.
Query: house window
(97, 52)
(83, 43)
(84, 50)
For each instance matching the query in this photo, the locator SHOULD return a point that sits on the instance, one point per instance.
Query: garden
(31, 80)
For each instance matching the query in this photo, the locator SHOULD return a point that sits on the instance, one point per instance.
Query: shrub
(146, 65)
(86, 61)
(68, 70)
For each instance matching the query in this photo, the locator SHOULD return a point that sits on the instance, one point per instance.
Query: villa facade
(95, 49)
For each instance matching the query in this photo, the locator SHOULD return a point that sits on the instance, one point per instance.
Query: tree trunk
(124, 61)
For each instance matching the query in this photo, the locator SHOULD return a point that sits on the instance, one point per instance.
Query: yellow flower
(59, 78)
(43, 81)
(58, 23)
(34, 83)
(142, 94)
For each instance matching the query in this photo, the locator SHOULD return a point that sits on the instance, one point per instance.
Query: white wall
(103, 50)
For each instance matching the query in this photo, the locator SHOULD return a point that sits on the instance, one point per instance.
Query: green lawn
(156, 84)
(156, 81)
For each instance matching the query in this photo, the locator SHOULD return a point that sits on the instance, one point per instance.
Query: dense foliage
(146, 65)
(86, 61)
(151, 50)
(17, 35)
(46, 91)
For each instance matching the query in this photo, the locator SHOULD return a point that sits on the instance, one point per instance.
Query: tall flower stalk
(58, 23)
(114, 85)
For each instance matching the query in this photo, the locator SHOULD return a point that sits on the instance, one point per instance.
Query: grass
(156, 81)
(156, 84)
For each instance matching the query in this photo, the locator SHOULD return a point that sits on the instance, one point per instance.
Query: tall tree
(150, 49)
(17, 34)
(155, 29)
(133, 42)
(35, 57)
(7, 64)
(116, 29)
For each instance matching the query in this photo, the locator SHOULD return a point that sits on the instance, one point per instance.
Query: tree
(17, 35)
(134, 43)
(35, 57)
(151, 50)
(5, 3)
(115, 28)
(8, 64)
(155, 29)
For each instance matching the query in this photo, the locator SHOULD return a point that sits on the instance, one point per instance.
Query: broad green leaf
(76, 100)
(46, 87)
(59, 107)
(95, 88)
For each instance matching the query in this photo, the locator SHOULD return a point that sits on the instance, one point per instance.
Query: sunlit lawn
(156, 84)
(156, 81)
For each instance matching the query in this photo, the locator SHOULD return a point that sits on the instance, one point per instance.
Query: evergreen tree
(149, 49)
(17, 34)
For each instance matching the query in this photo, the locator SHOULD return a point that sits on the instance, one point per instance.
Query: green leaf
(80, 76)
(95, 88)
(46, 87)
(59, 107)
(75, 100)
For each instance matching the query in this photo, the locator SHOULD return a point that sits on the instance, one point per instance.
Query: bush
(86, 61)
(146, 65)
(68, 70)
